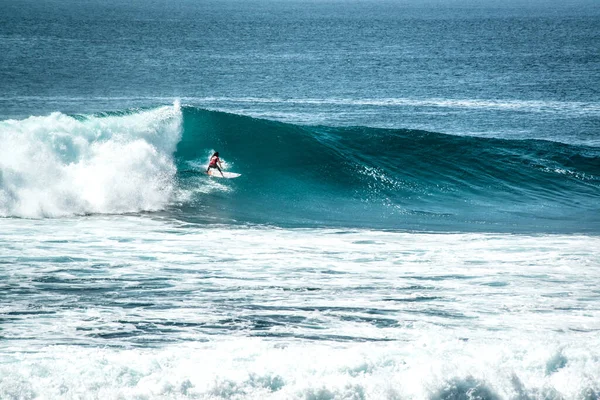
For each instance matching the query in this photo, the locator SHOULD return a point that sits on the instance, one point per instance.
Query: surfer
(215, 162)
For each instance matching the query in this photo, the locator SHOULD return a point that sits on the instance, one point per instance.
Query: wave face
(399, 179)
(293, 175)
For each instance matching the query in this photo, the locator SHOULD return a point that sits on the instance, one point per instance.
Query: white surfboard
(226, 175)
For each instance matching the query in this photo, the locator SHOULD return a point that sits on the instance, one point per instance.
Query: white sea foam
(246, 368)
(61, 165)
(129, 307)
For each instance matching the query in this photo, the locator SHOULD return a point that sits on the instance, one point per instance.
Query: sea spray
(60, 165)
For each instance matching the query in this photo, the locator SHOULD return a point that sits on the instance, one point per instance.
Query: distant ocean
(417, 216)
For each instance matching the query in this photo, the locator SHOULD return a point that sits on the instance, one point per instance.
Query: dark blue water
(518, 69)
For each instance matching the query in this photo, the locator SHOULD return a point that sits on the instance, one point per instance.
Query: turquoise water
(294, 175)
(417, 214)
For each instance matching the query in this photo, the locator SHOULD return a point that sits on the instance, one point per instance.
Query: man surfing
(215, 162)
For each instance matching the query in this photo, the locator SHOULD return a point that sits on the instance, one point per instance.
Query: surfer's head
(216, 154)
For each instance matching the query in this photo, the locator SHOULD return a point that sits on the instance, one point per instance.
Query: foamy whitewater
(63, 165)
(139, 308)
(417, 215)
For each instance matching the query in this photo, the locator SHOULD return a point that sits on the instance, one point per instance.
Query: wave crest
(60, 165)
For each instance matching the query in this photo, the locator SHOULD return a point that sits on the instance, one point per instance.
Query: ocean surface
(417, 216)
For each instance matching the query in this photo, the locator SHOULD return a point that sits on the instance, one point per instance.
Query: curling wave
(61, 165)
(293, 175)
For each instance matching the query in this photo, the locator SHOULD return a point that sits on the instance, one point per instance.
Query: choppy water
(134, 307)
(417, 216)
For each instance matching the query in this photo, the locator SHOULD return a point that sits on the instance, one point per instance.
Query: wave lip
(579, 108)
(60, 165)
